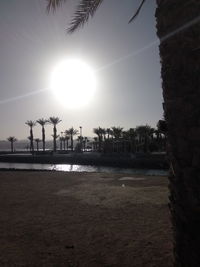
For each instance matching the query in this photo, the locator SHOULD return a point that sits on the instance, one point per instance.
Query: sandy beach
(84, 220)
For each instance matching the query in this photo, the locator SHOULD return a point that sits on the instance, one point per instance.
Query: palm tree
(61, 139)
(12, 139)
(31, 124)
(131, 135)
(144, 134)
(43, 122)
(109, 133)
(54, 121)
(37, 140)
(71, 132)
(85, 140)
(95, 143)
(67, 141)
(117, 132)
(162, 132)
(99, 132)
(178, 31)
(103, 132)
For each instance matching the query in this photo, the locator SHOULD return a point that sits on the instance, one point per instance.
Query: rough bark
(180, 59)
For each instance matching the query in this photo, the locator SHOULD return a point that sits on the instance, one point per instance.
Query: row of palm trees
(54, 121)
(143, 138)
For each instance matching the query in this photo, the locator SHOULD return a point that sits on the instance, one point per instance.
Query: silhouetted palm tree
(61, 139)
(43, 122)
(99, 132)
(85, 140)
(72, 132)
(117, 132)
(109, 132)
(31, 124)
(144, 133)
(54, 121)
(67, 141)
(131, 135)
(12, 139)
(37, 140)
(95, 143)
(103, 132)
(178, 30)
(162, 129)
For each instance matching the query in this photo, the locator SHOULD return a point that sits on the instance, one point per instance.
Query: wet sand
(84, 219)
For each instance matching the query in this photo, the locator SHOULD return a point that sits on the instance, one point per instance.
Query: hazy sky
(124, 56)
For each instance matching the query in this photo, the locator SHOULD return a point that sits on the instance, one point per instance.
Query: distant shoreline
(143, 161)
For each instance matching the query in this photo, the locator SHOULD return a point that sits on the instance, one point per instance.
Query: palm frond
(54, 120)
(30, 123)
(12, 139)
(42, 121)
(137, 11)
(53, 4)
(84, 11)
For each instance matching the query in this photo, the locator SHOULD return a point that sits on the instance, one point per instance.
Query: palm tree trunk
(43, 138)
(72, 143)
(100, 138)
(180, 56)
(54, 138)
(67, 144)
(31, 140)
(12, 150)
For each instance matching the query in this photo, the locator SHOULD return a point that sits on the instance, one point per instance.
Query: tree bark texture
(178, 28)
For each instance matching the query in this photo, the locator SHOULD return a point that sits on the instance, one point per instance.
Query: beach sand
(84, 220)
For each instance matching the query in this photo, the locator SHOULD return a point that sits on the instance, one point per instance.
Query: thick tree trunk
(180, 58)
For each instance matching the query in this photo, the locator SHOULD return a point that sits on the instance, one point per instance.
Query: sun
(73, 83)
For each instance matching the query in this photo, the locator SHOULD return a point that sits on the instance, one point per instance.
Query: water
(79, 168)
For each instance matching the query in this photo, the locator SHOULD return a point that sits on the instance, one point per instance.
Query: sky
(125, 58)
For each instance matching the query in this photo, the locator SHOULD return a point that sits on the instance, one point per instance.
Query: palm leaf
(84, 11)
(52, 4)
(137, 11)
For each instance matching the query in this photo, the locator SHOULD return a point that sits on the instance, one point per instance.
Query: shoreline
(148, 161)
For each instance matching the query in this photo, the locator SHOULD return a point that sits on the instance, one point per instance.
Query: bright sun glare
(73, 83)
